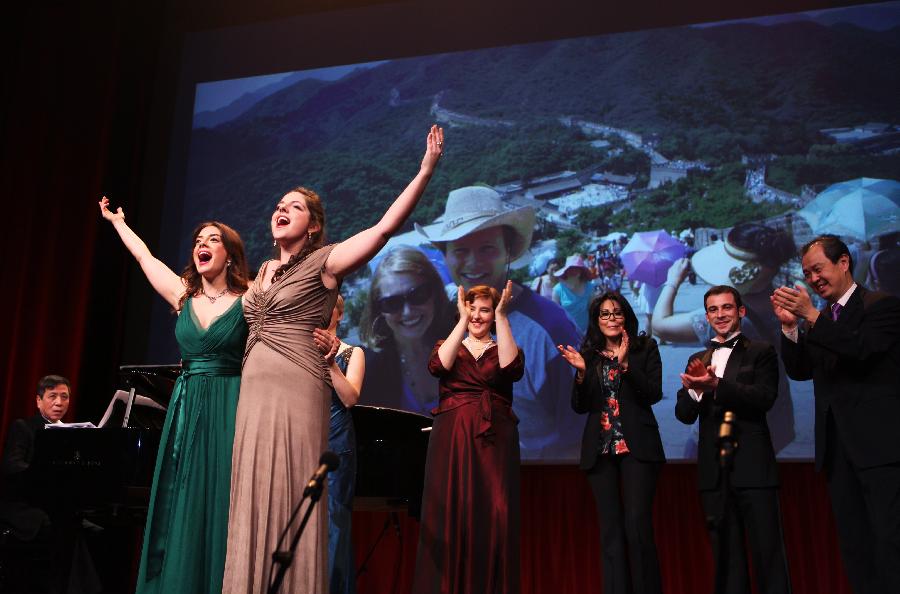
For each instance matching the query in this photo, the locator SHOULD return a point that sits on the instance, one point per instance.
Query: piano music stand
(154, 381)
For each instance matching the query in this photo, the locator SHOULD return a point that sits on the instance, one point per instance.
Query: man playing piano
(19, 514)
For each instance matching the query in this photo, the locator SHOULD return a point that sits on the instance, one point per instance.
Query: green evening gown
(187, 522)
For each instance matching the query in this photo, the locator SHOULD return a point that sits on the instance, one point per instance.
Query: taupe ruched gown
(281, 431)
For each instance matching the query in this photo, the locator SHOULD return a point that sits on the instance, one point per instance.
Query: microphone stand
(718, 521)
(282, 558)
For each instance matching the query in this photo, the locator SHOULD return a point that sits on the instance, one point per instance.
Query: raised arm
(507, 349)
(449, 348)
(667, 325)
(352, 253)
(168, 284)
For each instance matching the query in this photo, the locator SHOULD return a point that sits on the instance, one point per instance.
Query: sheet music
(82, 425)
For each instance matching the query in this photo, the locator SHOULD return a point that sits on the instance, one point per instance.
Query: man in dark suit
(851, 351)
(741, 376)
(52, 401)
(29, 524)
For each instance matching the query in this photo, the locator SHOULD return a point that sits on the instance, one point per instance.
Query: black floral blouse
(611, 439)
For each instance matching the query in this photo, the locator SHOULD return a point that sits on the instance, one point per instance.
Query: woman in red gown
(469, 535)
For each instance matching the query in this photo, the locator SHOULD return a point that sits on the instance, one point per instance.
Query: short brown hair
(483, 291)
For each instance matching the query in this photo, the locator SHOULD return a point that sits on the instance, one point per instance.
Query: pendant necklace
(212, 298)
(485, 344)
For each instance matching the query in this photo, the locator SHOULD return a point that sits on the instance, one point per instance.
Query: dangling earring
(274, 243)
(309, 235)
(228, 263)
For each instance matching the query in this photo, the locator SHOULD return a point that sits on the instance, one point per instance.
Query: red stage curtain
(560, 536)
(75, 106)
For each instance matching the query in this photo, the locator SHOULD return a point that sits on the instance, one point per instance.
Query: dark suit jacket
(16, 511)
(855, 367)
(641, 387)
(17, 455)
(748, 388)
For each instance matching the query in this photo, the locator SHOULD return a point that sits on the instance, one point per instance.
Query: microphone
(327, 462)
(727, 443)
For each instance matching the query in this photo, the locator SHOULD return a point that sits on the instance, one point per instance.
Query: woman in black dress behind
(618, 378)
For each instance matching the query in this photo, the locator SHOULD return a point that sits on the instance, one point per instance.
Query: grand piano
(109, 471)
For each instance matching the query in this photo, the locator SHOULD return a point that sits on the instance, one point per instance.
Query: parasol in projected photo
(863, 209)
(648, 255)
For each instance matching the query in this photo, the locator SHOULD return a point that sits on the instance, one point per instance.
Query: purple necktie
(836, 311)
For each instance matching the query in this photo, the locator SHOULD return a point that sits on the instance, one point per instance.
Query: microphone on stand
(327, 462)
(282, 559)
(727, 442)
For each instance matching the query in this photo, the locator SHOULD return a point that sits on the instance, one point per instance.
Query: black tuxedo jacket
(641, 387)
(854, 363)
(748, 388)
(17, 456)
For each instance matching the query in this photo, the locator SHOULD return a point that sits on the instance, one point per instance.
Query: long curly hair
(373, 330)
(316, 238)
(594, 340)
(236, 272)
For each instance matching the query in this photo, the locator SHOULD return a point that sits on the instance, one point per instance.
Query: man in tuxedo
(740, 494)
(851, 351)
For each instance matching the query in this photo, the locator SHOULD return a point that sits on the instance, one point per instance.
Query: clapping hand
(461, 306)
(572, 357)
(505, 298)
(699, 377)
(788, 303)
(327, 343)
(620, 352)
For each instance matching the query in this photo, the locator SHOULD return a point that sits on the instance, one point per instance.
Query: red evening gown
(469, 534)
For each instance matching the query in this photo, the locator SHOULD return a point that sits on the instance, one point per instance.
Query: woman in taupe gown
(285, 398)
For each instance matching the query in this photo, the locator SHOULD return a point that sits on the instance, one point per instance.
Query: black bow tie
(728, 344)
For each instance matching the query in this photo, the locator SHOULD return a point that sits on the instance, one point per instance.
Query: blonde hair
(411, 261)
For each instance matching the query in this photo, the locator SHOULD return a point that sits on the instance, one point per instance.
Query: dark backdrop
(87, 99)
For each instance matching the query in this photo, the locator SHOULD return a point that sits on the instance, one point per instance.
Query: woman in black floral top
(618, 378)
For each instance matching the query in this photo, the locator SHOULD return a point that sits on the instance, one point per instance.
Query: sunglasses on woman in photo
(394, 303)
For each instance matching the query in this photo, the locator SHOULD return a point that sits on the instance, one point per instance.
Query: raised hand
(107, 214)
(571, 356)
(434, 148)
(505, 298)
(678, 271)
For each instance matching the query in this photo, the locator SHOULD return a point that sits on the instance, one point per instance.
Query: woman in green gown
(187, 522)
